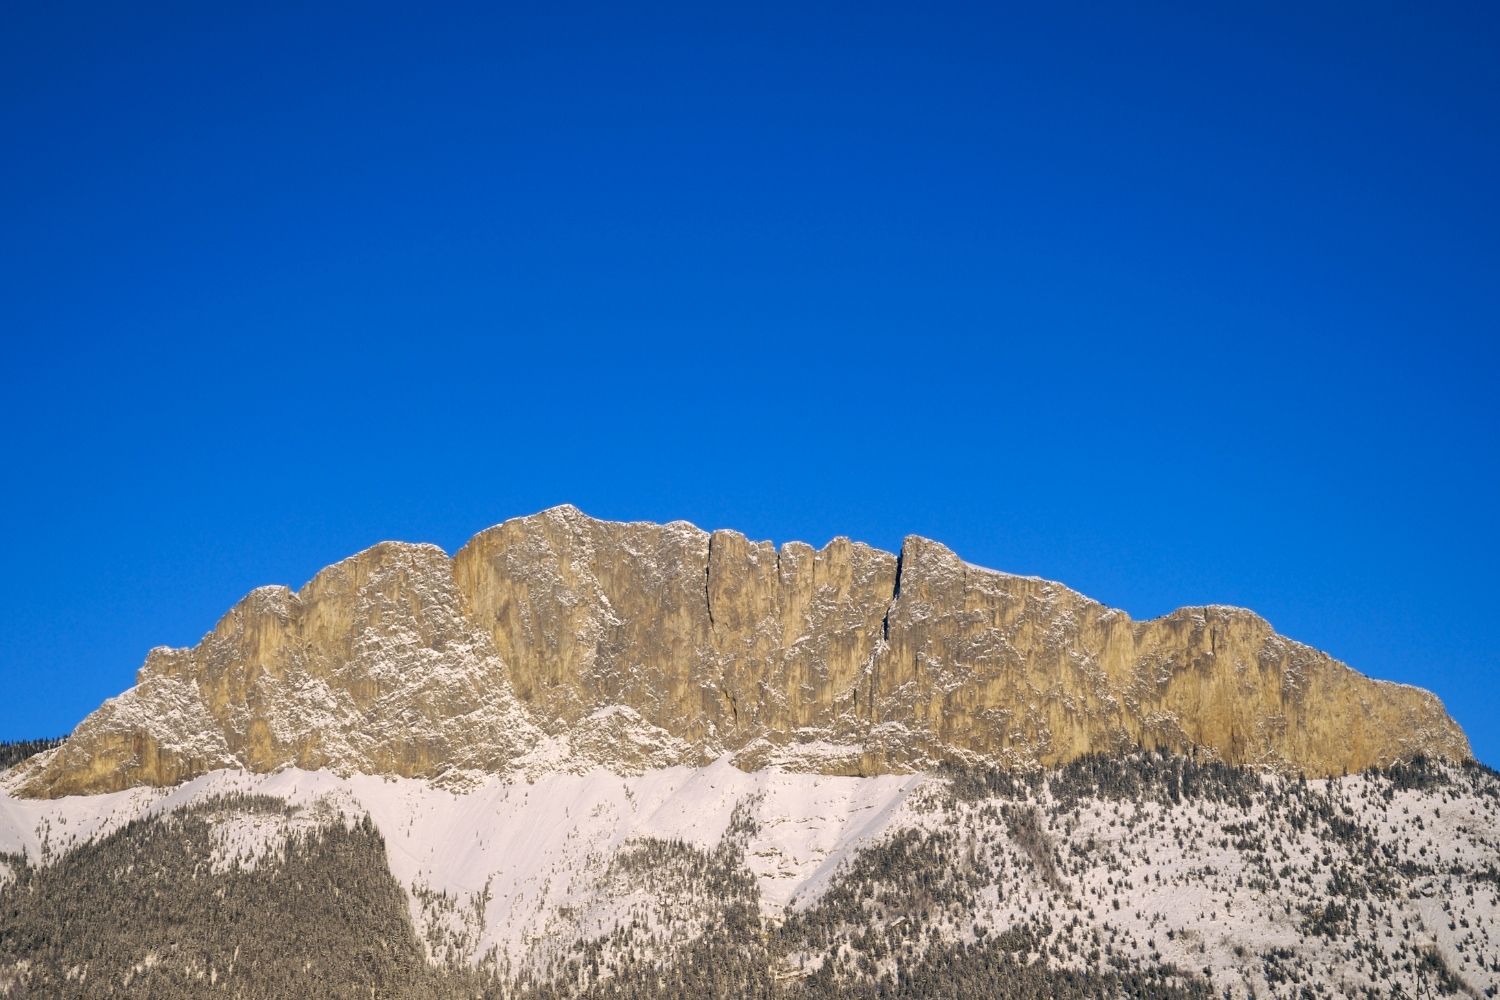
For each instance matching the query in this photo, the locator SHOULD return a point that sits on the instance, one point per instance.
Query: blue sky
(1175, 305)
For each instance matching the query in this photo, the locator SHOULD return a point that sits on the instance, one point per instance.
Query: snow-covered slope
(516, 852)
(1250, 883)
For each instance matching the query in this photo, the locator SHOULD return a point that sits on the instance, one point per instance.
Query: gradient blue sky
(1176, 305)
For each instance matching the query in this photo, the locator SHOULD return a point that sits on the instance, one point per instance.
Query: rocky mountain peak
(563, 642)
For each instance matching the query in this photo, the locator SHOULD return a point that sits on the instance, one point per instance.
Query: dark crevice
(885, 623)
(708, 600)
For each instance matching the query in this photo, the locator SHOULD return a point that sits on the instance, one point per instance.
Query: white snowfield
(515, 872)
(529, 848)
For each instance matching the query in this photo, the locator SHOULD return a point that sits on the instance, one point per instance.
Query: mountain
(582, 760)
(561, 642)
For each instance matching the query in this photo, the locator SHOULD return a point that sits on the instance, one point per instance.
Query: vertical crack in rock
(885, 622)
(708, 594)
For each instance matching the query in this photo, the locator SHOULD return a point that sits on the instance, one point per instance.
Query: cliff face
(562, 642)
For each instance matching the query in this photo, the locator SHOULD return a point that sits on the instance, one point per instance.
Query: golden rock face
(559, 641)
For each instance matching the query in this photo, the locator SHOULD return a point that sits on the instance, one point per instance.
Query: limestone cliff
(561, 641)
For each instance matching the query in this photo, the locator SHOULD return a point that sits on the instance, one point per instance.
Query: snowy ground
(1230, 889)
(518, 853)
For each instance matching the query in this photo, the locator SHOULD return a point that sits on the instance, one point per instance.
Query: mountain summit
(559, 642)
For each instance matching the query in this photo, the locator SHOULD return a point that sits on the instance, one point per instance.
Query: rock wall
(558, 641)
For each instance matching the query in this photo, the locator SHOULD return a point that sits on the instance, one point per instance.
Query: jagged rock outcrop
(561, 641)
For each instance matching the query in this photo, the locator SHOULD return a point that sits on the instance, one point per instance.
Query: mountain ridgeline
(561, 642)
